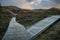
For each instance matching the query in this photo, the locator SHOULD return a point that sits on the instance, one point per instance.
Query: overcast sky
(32, 4)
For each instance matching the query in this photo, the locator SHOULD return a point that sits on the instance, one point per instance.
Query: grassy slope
(25, 17)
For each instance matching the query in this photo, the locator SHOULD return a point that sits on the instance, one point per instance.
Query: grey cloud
(29, 0)
(44, 4)
(13, 2)
(56, 1)
(38, 4)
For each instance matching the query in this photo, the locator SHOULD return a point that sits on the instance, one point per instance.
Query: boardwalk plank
(42, 25)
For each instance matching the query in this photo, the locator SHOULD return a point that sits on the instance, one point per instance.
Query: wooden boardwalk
(42, 25)
(17, 31)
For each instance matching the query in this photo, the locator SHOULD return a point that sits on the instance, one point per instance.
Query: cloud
(32, 4)
(46, 4)
(13, 2)
(7, 2)
(26, 6)
(43, 4)
(29, 0)
(58, 6)
(56, 1)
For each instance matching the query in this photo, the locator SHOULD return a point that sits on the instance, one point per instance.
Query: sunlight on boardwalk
(42, 25)
(17, 31)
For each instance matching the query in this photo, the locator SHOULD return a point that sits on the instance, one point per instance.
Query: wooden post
(0, 7)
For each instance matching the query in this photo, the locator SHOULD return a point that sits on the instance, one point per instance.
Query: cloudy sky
(32, 4)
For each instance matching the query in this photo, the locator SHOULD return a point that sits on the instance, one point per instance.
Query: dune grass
(28, 18)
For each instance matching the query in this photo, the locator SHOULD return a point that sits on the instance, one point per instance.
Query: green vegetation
(26, 18)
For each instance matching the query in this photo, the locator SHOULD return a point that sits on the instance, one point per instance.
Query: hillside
(25, 17)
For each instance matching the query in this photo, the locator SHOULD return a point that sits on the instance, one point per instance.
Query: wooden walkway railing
(42, 25)
(17, 31)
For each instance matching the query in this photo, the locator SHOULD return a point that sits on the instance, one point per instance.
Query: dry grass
(27, 18)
